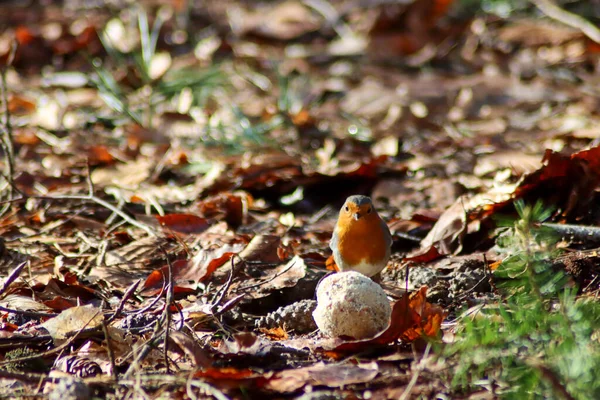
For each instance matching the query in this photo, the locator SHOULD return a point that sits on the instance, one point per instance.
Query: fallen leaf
(277, 333)
(321, 374)
(73, 320)
(270, 279)
(232, 207)
(245, 342)
(191, 348)
(284, 21)
(183, 223)
(446, 235)
(186, 273)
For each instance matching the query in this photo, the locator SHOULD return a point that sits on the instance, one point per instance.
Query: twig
(168, 379)
(13, 275)
(144, 351)
(229, 304)
(568, 18)
(7, 135)
(227, 285)
(578, 232)
(167, 310)
(415, 377)
(161, 324)
(270, 279)
(111, 353)
(104, 204)
(128, 293)
(28, 313)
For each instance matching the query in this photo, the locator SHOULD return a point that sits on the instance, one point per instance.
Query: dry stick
(268, 280)
(229, 304)
(227, 285)
(169, 379)
(156, 300)
(28, 313)
(578, 232)
(111, 353)
(128, 293)
(13, 275)
(167, 311)
(91, 197)
(7, 137)
(104, 204)
(568, 18)
(415, 377)
(145, 350)
(149, 306)
(165, 318)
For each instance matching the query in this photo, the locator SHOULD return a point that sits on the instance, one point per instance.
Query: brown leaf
(446, 235)
(569, 181)
(206, 261)
(262, 248)
(200, 268)
(73, 320)
(191, 348)
(282, 276)
(232, 207)
(222, 374)
(408, 28)
(321, 374)
(19, 105)
(246, 343)
(277, 333)
(284, 21)
(183, 223)
(59, 303)
(331, 265)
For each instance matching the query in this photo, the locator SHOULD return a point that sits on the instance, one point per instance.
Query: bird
(361, 240)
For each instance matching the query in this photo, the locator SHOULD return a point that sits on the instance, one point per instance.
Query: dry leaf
(73, 320)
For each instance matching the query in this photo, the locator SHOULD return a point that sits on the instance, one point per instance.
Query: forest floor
(171, 177)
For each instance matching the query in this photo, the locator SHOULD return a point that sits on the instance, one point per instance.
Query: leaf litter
(173, 186)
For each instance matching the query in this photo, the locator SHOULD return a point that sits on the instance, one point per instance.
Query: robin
(361, 240)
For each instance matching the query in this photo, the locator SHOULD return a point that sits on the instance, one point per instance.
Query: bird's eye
(346, 209)
(369, 210)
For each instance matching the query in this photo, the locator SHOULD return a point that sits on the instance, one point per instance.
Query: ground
(172, 172)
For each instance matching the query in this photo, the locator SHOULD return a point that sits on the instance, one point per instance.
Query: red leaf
(60, 303)
(412, 317)
(158, 277)
(183, 223)
(225, 373)
(424, 256)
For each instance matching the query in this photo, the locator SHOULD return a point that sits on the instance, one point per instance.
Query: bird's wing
(334, 241)
(386, 232)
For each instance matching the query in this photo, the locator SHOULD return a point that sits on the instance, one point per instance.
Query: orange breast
(362, 240)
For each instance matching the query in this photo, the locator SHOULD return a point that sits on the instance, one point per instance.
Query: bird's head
(357, 207)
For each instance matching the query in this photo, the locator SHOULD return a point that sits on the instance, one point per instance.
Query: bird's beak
(357, 216)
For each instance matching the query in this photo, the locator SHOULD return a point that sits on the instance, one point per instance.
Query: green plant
(23, 362)
(148, 88)
(540, 342)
